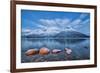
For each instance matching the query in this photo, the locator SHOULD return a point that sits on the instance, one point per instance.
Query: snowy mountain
(71, 34)
(56, 34)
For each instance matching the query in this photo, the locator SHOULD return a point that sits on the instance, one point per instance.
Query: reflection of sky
(54, 22)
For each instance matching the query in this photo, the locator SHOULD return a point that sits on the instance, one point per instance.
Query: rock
(55, 51)
(44, 51)
(68, 51)
(31, 52)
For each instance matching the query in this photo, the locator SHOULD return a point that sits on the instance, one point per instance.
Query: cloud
(47, 22)
(30, 31)
(26, 30)
(83, 15)
(75, 22)
(60, 23)
(53, 26)
(42, 26)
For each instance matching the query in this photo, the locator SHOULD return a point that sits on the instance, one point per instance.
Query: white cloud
(79, 21)
(47, 22)
(60, 23)
(26, 30)
(83, 16)
(42, 26)
(75, 22)
(30, 31)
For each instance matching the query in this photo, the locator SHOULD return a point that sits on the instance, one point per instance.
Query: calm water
(80, 49)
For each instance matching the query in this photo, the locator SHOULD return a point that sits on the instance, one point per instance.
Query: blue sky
(33, 21)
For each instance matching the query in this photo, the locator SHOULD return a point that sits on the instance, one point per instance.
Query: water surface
(80, 49)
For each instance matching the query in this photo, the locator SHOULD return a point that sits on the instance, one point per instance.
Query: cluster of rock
(45, 51)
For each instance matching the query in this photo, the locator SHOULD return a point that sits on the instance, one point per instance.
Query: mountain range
(62, 34)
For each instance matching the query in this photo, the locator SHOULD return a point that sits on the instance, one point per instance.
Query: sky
(52, 22)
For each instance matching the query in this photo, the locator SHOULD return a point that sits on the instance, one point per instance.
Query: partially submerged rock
(31, 52)
(55, 51)
(68, 51)
(44, 51)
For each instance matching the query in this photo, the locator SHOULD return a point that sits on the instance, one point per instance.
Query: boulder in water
(68, 51)
(31, 52)
(44, 51)
(55, 51)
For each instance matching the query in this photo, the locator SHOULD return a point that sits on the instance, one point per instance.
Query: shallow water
(80, 49)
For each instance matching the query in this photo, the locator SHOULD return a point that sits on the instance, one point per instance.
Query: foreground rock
(55, 51)
(44, 51)
(68, 51)
(31, 52)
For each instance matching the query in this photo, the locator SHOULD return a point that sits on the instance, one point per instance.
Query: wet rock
(44, 51)
(55, 51)
(68, 51)
(31, 52)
